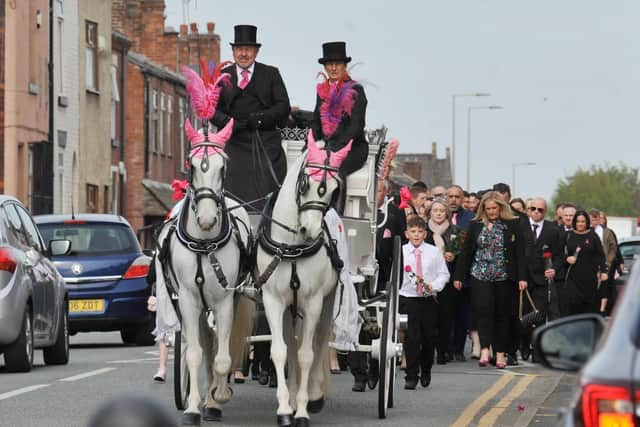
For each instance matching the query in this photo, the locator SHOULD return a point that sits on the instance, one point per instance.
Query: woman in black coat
(493, 261)
(341, 105)
(586, 268)
(442, 234)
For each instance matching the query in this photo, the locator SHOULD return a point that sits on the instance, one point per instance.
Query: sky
(567, 74)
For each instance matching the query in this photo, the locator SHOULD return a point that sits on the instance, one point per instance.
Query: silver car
(33, 298)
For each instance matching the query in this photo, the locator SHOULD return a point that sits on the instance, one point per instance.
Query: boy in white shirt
(425, 274)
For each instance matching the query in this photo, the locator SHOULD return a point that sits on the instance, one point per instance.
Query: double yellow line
(492, 415)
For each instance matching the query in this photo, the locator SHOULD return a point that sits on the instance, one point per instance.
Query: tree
(613, 189)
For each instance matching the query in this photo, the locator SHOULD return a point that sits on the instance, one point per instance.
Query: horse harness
(206, 247)
(291, 253)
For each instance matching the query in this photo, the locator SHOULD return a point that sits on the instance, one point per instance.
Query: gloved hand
(255, 121)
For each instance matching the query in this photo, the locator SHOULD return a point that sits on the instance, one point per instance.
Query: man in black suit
(257, 100)
(544, 257)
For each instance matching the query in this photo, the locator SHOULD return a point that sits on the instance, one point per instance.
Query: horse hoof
(285, 420)
(221, 399)
(315, 406)
(212, 414)
(190, 419)
(302, 422)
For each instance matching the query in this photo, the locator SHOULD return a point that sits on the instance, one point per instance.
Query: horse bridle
(302, 186)
(201, 193)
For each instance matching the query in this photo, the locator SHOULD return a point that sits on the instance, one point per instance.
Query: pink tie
(245, 79)
(418, 254)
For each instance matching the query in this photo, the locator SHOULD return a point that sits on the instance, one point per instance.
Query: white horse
(205, 256)
(303, 281)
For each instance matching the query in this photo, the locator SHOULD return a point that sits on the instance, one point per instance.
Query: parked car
(609, 380)
(33, 298)
(630, 250)
(105, 272)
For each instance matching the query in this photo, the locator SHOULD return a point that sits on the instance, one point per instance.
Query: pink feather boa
(336, 100)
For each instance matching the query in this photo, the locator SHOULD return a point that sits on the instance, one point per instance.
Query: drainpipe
(51, 106)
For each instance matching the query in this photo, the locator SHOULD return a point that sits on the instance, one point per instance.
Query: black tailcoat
(350, 127)
(248, 176)
(550, 239)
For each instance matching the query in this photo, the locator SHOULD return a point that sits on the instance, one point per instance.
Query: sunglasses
(438, 195)
(533, 209)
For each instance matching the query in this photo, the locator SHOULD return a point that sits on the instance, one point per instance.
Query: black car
(609, 380)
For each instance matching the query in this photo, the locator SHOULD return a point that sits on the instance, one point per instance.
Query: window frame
(91, 42)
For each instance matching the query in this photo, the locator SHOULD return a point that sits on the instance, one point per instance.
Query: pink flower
(405, 197)
(586, 242)
(521, 408)
(179, 189)
(407, 268)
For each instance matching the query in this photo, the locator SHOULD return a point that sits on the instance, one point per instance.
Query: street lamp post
(453, 127)
(513, 173)
(484, 107)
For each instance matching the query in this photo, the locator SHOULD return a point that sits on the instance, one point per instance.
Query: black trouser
(541, 301)
(461, 319)
(358, 359)
(422, 316)
(447, 299)
(554, 302)
(494, 306)
(563, 297)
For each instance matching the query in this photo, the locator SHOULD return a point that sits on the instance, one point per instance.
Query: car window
(629, 250)
(30, 229)
(92, 238)
(14, 225)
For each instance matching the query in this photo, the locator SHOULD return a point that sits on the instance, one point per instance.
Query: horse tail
(241, 328)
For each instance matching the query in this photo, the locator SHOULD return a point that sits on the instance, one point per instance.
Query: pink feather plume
(319, 155)
(198, 94)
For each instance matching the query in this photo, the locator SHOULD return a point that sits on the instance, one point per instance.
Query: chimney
(194, 28)
(434, 149)
(184, 29)
(211, 26)
(447, 152)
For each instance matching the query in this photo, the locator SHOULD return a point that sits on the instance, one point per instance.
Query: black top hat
(334, 52)
(245, 35)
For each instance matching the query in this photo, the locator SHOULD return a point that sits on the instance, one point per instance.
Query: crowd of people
(490, 267)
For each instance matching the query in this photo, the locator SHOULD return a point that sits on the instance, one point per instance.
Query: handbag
(533, 318)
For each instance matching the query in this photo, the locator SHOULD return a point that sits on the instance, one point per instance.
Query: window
(14, 225)
(114, 190)
(30, 229)
(61, 51)
(91, 34)
(169, 125)
(92, 198)
(92, 238)
(115, 99)
(181, 133)
(163, 107)
(154, 122)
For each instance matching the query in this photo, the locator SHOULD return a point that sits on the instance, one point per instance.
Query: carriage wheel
(388, 337)
(180, 372)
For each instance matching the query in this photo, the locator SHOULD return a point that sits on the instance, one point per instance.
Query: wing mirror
(566, 344)
(59, 247)
(149, 252)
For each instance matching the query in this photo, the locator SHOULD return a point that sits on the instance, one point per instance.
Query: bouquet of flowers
(423, 289)
(455, 242)
(547, 255)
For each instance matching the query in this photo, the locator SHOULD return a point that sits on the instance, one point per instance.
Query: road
(101, 368)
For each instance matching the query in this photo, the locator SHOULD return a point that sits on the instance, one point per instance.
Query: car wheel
(58, 354)
(144, 337)
(128, 335)
(18, 356)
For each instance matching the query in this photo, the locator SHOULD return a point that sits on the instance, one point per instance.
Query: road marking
(470, 411)
(22, 391)
(87, 374)
(489, 419)
(147, 359)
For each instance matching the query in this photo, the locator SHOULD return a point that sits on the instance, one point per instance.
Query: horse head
(318, 181)
(207, 163)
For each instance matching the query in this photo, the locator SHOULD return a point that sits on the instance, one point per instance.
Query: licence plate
(86, 306)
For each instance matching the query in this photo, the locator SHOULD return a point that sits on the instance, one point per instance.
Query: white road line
(134, 360)
(87, 374)
(22, 391)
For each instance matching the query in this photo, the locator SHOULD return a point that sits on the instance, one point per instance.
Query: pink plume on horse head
(222, 136)
(319, 155)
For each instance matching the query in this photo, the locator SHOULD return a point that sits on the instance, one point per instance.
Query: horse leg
(211, 411)
(274, 310)
(191, 308)
(312, 309)
(319, 375)
(220, 390)
(292, 358)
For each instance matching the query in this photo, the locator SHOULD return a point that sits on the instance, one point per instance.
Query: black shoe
(425, 379)
(263, 378)
(524, 353)
(512, 359)
(459, 357)
(273, 380)
(410, 384)
(535, 358)
(442, 359)
(358, 385)
(448, 357)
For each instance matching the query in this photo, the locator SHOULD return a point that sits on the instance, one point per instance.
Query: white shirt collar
(531, 221)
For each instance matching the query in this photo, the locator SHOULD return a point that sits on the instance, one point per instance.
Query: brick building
(426, 167)
(153, 148)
